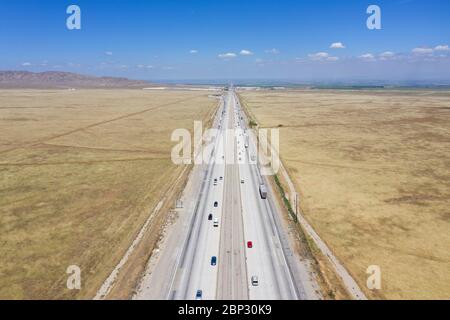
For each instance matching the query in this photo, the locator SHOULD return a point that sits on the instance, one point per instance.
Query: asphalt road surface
(226, 189)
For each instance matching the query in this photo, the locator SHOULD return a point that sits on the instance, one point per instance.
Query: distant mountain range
(64, 80)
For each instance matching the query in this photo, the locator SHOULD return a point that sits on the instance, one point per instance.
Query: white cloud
(227, 55)
(108, 53)
(322, 56)
(193, 51)
(426, 51)
(387, 55)
(142, 66)
(318, 55)
(246, 53)
(26, 64)
(273, 51)
(367, 57)
(299, 59)
(337, 45)
(442, 48)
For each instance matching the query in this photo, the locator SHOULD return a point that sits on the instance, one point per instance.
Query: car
(216, 204)
(221, 178)
(199, 295)
(249, 244)
(210, 216)
(255, 281)
(242, 180)
(216, 222)
(215, 182)
(213, 260)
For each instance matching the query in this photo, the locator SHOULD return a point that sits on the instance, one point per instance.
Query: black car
(210, 216)
(216, 204)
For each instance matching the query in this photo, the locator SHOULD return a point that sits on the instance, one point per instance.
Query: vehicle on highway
(199, 295)
(242, 181)
(215, 182)
(263, 191)
(213, 260)
(216, 204)
(221, 178)
(216, 222)
(210, 216)
(249, 244)
(255, 281)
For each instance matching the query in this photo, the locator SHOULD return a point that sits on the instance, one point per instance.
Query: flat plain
(80, 172)
(373, 171)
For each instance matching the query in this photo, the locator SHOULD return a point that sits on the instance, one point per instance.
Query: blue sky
(183, 39)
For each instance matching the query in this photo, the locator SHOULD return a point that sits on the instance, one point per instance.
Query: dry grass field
(79, 173)
(373, 171)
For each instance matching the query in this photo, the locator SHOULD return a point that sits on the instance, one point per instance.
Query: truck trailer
(263, 191)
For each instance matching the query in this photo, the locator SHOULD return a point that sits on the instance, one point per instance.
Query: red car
(249, 244)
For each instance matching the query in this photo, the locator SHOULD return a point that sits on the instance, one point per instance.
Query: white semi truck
(263, 191)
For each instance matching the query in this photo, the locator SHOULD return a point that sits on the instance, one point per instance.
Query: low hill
(54, 79)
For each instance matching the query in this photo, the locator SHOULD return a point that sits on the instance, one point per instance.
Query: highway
(232, 277)
(226, 188)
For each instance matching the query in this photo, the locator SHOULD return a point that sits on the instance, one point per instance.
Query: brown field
(373, 171)
(79, 173)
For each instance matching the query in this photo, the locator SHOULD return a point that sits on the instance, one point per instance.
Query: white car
(255, 281)
(216, 222)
